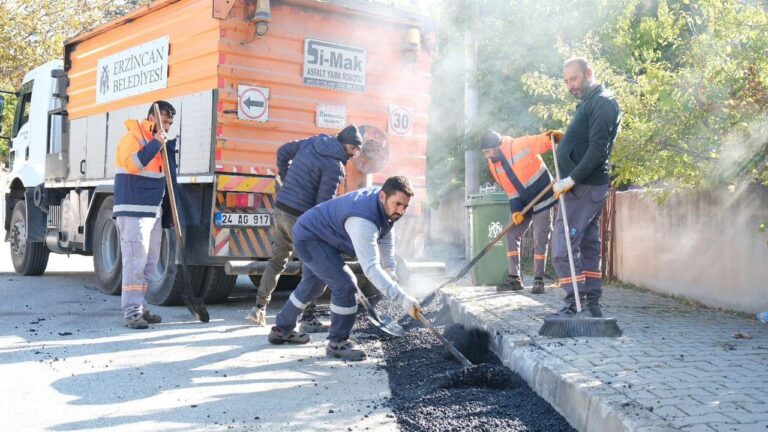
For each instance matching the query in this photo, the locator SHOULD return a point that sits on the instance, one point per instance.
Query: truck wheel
(217, 285)
(166, 290)
(29, 258)
(107, 259)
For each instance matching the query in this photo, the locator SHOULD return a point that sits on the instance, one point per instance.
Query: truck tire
(217, 285)
(29, 258)
(166, 290)
(107, 259)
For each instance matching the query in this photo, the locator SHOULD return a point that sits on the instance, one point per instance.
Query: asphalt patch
(420, 374)
(483, 375)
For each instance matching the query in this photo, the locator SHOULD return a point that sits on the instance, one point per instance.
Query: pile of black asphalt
(433, 392)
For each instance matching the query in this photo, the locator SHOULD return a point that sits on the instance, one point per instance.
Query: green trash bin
(488, 215)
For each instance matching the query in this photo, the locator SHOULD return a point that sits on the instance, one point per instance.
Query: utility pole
(471, 174)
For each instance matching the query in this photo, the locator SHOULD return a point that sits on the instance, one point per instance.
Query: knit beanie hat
(490, 139)
(350, 135)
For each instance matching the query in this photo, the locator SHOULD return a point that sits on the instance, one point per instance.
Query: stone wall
(703, 246)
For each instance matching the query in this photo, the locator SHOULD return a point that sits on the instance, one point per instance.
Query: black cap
(490, 139)
(350, 135)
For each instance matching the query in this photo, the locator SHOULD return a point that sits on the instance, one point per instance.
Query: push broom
(578, 325)
(194, 304)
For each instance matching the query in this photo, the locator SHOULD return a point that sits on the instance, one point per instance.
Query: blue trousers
(583, 205)
(322, 265)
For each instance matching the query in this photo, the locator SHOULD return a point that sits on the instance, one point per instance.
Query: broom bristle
(562, 327)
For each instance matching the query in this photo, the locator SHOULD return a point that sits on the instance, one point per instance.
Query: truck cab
(36, 134)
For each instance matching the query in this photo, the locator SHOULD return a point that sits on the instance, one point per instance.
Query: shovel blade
(196, 307)
(388, 326)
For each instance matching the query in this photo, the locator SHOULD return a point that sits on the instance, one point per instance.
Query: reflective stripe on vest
(525, 164)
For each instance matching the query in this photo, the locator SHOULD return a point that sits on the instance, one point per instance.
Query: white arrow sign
(252, 103)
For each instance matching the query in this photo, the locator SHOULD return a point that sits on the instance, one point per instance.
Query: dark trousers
(542, 227)
(322, 266)
(583, 205)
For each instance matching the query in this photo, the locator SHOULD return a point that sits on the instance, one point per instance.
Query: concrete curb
(587, 404)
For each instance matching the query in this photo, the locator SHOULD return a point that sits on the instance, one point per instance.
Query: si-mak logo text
(334, 66)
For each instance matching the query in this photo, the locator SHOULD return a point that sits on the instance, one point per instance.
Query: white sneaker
(258, 316)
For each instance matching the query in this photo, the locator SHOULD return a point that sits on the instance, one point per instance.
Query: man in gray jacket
(311, 171)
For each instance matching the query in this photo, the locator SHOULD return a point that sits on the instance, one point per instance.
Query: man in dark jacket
(311, 171)
(583, 161)
(357, 224)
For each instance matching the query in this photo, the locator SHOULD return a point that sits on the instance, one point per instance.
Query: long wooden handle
(498, 237)
(456, 353)
(567, 230)
(169, 180)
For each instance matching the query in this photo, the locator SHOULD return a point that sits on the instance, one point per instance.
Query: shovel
(193, 303)
(489, 246)
(452, 349)
(385, 323)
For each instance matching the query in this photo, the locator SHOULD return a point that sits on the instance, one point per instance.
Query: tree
(691, 77)
(32, 32)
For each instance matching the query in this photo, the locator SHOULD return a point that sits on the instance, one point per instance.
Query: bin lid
(486, 199)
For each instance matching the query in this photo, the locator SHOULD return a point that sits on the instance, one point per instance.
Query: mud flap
(36, 219)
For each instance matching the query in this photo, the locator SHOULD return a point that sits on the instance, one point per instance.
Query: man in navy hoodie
(311, 171)
(355, 224)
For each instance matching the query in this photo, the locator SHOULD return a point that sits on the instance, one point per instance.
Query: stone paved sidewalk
(677, 367)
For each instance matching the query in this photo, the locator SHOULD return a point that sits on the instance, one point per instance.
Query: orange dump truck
(245, 77)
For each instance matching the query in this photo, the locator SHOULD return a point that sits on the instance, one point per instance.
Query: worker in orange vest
(517, 166)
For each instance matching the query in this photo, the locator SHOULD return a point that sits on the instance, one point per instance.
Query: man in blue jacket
(582, 157)
(311, 171)
(355, 224)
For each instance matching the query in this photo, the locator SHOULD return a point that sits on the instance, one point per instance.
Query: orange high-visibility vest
(523, 156)
(139, 188)
(126, 160)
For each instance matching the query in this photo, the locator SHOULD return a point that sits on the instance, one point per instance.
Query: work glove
(556, 134)
(410, 306)
(517, 218)
(562, 186)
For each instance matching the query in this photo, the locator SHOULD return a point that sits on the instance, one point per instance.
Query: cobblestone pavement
(677, 367)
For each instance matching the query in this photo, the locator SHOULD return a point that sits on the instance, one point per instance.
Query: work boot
(278, 337)
(258, 315)
(151, 319)
(538, 286)
(567, 311)
(136, 323)
(511, 283)
(312, 324)
(595, 309)
(345, 350)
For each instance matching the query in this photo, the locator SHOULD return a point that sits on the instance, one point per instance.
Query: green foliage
(32, 32)
(691, 77)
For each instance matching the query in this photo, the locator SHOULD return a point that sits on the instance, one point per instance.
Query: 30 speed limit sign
(400, 120)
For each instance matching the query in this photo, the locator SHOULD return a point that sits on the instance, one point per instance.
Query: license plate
(243, 219)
